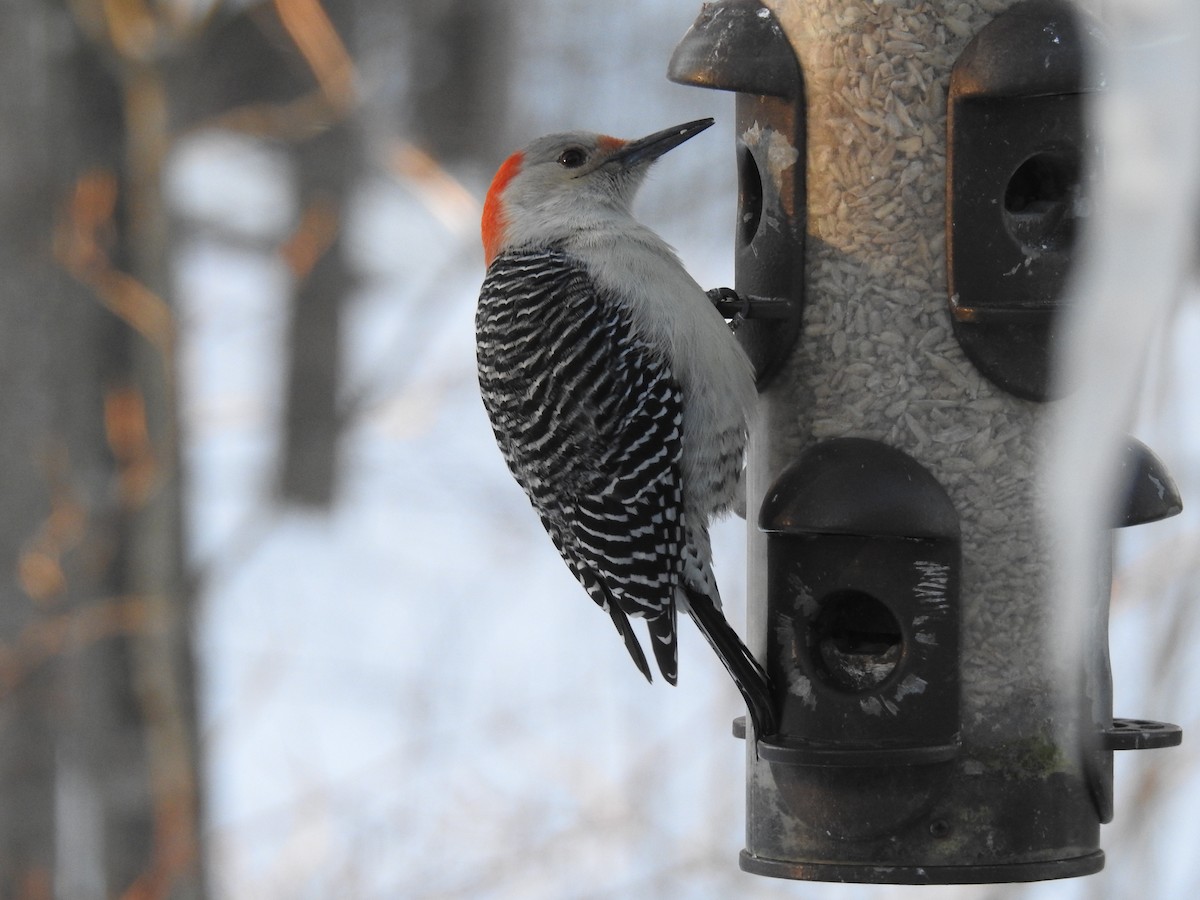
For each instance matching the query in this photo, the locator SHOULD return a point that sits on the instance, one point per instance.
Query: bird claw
(723, 296)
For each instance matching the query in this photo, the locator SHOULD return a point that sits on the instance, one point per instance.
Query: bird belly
(672, 311)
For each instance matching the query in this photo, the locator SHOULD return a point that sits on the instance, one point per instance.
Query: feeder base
(868, 874)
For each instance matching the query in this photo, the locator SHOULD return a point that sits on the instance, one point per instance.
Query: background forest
(274, 620)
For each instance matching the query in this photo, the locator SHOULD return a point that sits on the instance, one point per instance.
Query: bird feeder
(909, 184)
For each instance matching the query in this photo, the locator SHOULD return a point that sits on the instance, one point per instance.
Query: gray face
(564, 184)
(587, 167)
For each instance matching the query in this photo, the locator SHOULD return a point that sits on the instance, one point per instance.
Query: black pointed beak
(652, 146)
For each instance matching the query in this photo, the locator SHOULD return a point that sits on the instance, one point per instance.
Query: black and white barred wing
(589, 420)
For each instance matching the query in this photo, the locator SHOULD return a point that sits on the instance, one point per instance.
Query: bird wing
(589, 420)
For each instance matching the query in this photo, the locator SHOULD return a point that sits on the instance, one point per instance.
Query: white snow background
(410, 696)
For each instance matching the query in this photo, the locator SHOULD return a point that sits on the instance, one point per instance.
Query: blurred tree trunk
(458, 64)
(328, 164)
(98, 752)
(283, 71)
(459, 75)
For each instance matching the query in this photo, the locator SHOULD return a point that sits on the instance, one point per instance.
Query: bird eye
(572, 158)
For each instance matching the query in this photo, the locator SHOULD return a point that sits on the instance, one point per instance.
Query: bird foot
(731, 305)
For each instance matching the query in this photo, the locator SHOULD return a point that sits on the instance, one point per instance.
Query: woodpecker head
(563, 183)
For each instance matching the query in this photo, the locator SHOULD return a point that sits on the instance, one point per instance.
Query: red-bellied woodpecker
(617, 393)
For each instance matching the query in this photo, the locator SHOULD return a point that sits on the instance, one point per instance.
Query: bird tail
(664, 643)
(750, 677)
(631, 642)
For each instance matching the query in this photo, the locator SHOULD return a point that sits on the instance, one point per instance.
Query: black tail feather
(664, 643)
(631, 642)
(748, 675)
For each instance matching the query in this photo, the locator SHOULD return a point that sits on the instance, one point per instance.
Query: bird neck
(582, 227)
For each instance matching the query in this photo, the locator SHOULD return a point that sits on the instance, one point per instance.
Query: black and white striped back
(589, 419)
